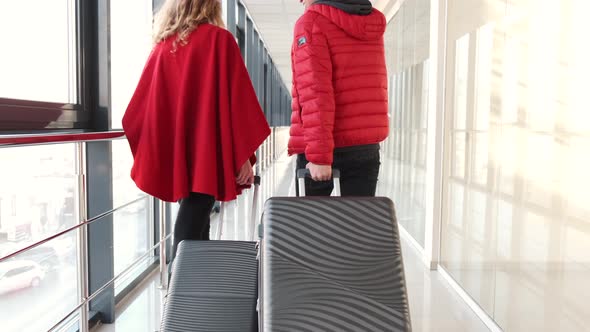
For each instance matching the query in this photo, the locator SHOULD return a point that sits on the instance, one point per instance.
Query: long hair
(181, 17)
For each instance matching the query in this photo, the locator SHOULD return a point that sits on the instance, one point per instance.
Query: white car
(15, 275)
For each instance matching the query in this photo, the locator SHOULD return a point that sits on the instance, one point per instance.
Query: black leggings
(193, 220)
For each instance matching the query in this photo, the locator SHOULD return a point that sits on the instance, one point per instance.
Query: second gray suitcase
(214, 287)
(332, 264)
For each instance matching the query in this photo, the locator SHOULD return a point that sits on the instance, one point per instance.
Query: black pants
(359, 172)
(193, 220)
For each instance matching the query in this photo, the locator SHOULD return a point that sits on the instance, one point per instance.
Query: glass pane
(468, 250)
(422, 146)
(413, 147)
(403, 175)
(539, 174)
(131, 43)
(508, 157)
(456, 205)
(532, 245)
(72, 324)
(37, 193)
(577, 179)
(124, 189)
(483, 84)
(132, 239)
(459, 154)
(408, 33)
(505, 229)
(477, 209)
(468, 246)
(132, 225)
(37, 200)
(40, 284)
(510, 93)
(425, 95)
(38, 58)
(461, 76)
(417, 108)
(480, 158)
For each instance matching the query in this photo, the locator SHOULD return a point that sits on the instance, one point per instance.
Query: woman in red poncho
(194, 122)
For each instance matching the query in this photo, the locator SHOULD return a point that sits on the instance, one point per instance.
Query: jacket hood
(364, 27)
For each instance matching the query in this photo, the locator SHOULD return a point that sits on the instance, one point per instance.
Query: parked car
(44, 255)
(16, 275)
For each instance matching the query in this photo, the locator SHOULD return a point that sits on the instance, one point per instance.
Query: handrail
(112, 281)
(38, 139)
(73, 228)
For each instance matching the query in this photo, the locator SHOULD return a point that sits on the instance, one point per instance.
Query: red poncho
(194, 118)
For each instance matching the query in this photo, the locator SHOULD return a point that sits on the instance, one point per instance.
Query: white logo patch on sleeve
(301, 41)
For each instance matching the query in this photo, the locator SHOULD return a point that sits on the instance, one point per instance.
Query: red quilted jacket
(339, 82)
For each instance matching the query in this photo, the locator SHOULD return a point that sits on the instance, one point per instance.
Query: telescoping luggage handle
(254, 206)
(305, 173)
(253, 221)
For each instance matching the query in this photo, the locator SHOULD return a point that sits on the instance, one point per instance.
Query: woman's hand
(245, 176)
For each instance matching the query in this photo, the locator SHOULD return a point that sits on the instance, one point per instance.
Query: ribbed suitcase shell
(214, 287)
(332, 264)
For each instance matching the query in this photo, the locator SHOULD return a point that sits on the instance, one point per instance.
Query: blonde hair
(181, 17)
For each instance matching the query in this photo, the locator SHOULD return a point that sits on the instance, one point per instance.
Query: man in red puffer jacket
(340, 99)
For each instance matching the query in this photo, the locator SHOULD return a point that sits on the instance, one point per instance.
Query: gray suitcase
(214, 286)
(331, 264)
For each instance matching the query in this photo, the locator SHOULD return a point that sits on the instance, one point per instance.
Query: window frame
(25, 116)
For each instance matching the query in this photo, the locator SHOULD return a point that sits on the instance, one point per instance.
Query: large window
(131, 30)
(38, 55)
(516, 233)
(131, 42)
(40, 80)
(403, 172)
(68, 64)
(37, 200)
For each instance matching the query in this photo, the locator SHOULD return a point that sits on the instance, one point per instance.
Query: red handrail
(34, 139)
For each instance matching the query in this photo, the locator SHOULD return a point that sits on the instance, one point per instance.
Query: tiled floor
(434, 305)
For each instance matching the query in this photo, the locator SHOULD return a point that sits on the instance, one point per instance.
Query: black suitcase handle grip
(305, 173)
(256, 180)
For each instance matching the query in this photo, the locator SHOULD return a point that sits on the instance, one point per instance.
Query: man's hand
(245, 176)
(320, 172)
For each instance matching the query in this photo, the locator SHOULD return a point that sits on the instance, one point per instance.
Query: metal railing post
(163, 265)
(82, 241)
(152, 218)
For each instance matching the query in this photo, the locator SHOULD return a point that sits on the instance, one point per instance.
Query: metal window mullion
(230, 15)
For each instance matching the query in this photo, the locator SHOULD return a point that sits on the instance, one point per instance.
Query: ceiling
(276, 19)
